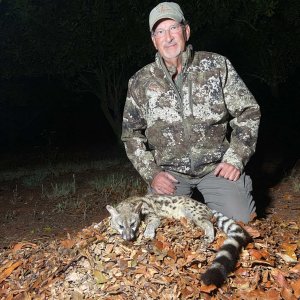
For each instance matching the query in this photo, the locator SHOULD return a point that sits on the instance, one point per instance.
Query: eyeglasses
(159, 33)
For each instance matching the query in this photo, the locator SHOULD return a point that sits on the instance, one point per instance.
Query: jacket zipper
(186, 128)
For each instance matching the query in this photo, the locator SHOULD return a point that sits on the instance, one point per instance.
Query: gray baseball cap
(165, 10)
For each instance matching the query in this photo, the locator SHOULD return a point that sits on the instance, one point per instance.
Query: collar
(186, 56)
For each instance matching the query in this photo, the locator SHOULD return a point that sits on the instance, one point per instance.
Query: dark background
(65, 65)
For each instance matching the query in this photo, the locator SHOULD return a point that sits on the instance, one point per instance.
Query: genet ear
(113, 212)
(138, 208)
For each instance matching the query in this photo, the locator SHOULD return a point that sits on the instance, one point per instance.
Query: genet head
(125, 222)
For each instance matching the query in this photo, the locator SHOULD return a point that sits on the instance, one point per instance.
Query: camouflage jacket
(182, 127)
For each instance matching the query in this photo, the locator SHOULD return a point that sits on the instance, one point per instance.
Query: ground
(49, 240)
(47, 200)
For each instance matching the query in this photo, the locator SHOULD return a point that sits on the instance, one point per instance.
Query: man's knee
(231, 198)
(239, 212)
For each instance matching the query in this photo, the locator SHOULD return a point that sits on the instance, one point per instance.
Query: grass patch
(294, 178)
(34, 180)
(118, 186)
(58, 190)
(113, 181)
(34, 175)
(296, 184)
(61, 206)
(114, 188)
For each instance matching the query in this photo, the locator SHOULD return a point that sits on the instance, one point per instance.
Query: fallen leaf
(151, 271)
(279, 278)
(255, 253)
(207, 288)
(172, 254)
(141, 270)
(9, 270)
(159, 245)
(132, 263)
(123, 264)
(293, 225)
(187, 292)
(100, 277)
(242, 283)
(109, 248)
(295, 269)
(21, 245)
(6, 265)
(254, 233)
(265, 254)
(287, 258)
(263, 263)
(296, 287)
(258, 294)
(68, 244)
(160, 237)
(289, 250)
(271, 294)
(268, 284)
(242, 272)
(287, 294)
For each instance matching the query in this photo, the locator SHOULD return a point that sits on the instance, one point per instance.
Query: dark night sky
(66, 118)
(36, 110)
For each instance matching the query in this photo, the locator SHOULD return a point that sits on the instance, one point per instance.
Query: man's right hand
(164, 183)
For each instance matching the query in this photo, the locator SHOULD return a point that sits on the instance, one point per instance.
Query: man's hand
(164, 183)
(227, 171)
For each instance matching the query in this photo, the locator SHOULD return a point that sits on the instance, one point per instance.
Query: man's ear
(187, 32)
(113, 212)
(153, 41)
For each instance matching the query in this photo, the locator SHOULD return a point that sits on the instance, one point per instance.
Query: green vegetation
(296, 185)
(293, 177)
(69, 188)
(61, 206)
(115, 182)
(58, 190)
(33, 176)
(118, 186)
(34, 180)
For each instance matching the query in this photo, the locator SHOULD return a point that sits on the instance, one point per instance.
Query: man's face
(172, 43)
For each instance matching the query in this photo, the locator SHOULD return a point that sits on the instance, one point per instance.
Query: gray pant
(231, 198)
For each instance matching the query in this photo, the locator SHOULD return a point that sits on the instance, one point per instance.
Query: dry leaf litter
(98, 264)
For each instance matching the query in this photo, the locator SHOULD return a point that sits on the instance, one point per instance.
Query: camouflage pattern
(182, 127)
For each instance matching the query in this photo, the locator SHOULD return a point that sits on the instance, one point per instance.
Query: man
(176, 119)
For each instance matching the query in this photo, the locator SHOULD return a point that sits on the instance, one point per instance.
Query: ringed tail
(228, 255)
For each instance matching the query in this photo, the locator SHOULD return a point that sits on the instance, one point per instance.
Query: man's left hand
(227, 171)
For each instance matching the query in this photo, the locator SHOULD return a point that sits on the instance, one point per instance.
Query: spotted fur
(126, 218)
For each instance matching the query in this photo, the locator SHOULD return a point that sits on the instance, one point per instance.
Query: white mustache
(170, 44)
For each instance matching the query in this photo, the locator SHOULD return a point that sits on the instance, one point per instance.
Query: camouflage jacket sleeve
(135, 141)
(246, 116)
